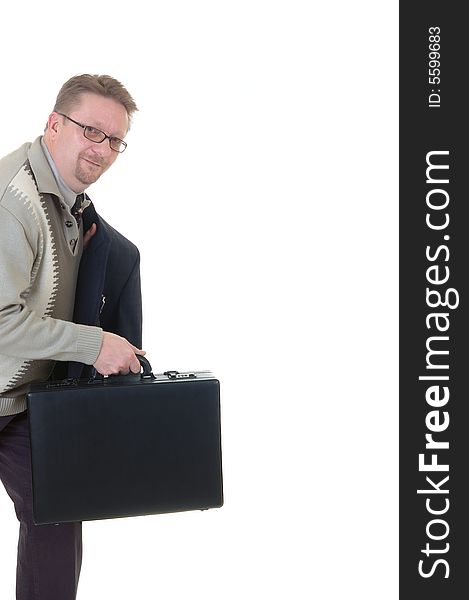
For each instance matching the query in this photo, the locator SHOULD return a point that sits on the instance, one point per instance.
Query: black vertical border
(424, 129)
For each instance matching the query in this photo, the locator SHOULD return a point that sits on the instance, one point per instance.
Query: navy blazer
(108, 290)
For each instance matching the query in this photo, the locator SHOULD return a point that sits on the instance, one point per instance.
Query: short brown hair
(103, 85)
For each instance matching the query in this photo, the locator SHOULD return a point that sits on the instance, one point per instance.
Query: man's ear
(53, 123)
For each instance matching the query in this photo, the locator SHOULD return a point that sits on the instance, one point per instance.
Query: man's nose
(103, 149)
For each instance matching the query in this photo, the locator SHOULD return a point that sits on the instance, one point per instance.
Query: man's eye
(95, 133)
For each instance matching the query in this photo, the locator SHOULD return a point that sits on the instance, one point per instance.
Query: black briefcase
(125, 446)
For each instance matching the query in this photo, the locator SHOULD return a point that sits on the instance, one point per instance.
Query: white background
(260, 184)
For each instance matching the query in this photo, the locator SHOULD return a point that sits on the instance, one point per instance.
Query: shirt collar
(68, 195)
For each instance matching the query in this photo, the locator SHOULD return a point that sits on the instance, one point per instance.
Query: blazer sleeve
(121, 310)
(129, 307)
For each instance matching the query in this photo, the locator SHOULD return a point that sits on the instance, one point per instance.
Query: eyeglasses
(98, 136)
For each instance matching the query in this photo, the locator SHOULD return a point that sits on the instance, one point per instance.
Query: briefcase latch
(177, 375)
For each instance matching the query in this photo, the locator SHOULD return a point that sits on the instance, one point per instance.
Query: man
(65, 277)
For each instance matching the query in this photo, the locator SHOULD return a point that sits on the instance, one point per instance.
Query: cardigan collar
(45, 179)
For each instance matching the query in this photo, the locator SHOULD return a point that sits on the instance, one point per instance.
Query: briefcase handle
(147, 373)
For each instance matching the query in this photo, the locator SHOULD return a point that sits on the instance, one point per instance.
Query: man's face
(80, 161)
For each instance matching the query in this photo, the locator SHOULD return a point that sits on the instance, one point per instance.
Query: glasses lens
(117, 144)
(95, 135)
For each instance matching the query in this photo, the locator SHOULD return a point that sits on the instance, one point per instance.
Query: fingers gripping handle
(146, 374)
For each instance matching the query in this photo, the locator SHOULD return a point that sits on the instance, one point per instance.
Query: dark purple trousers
(49, 556)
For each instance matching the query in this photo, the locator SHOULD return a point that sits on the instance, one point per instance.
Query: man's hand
(117, 355)
(88, 235)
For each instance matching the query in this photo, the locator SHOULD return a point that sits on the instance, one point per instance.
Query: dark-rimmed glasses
(98, 136)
